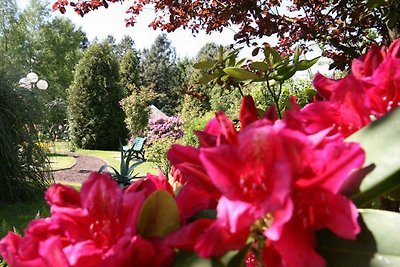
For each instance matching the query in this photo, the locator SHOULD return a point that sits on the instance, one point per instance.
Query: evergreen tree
(196, 101)
(95, 116)
(159, 68)
(129, 70)
(126, 44)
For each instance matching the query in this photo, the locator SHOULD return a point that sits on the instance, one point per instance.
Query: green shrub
(193, 125)
(95, 116)
(157, 153)
(24, 168)
(163, 132)
(137, 110)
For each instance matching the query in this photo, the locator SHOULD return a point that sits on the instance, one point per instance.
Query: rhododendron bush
(271, 192)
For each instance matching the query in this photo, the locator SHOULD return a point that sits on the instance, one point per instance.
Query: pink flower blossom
(370, 91)
(93, 227)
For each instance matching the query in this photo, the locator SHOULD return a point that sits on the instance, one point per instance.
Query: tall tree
(129, 70)
(126, 44)
(196, 101)
(159, 68)
(95, 116)
(343, 28)
(13, 40)
(59, 44)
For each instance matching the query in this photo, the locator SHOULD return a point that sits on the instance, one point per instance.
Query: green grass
(15, 217)
(60, 161)
(110, 157)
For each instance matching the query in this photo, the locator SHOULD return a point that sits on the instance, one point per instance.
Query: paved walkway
(80, 171)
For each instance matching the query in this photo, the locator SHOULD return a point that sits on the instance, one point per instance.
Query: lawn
(112, 158)
(16, 216)
(61, 161)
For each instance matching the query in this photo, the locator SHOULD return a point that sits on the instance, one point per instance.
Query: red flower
(96, 227)
(370, 91)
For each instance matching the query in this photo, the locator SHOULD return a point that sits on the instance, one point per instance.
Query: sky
(110, 21)
(103, 22)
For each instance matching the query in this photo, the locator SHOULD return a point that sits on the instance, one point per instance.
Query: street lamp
(31, 80)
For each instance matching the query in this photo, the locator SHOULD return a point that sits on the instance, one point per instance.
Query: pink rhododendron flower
(93, 227)
(370, 91)
(269, 172)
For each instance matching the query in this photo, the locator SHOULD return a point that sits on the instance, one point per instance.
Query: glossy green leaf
(205, 65)
(240, 62)
(224, 78)
(270, 53)
(232, 61)
(261, 66)
(221, 54)
(236, 258)
(306, 64)
(208, 78)
(310, 92)
(159, 215)
(381, 142)
(240, 73)
(377, 245)
(376, 3)
(286, 74)
(296, 55)
(189, 259)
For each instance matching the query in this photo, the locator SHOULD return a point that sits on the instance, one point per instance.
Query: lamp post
(32, 80)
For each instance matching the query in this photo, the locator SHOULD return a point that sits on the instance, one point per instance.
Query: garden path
(80, 171)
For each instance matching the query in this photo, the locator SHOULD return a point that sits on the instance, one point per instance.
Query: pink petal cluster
(270, 178)
(370, 91)
(93, 227)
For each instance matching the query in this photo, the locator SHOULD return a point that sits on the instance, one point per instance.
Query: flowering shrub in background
(163, 132)
(257, 196)
(165, 127)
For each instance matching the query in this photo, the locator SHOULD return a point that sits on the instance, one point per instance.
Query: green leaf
(377, 244)
(381, 142)
(310, 92)
(271, 54)
(261, 66)
(205, 65)
(159, 215)
(190, 259)
(205, 214)
(221, 54)
(285, 73)
(306, 64)
(239, 63)
(232, 61)
(240, 73)
(296, 55)
(375, 3)
(208, 78)
(236, 258)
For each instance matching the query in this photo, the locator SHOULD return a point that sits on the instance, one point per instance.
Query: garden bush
(24, 168)
(95, 116)
(163, 132)
(137, 110)
(196, 124)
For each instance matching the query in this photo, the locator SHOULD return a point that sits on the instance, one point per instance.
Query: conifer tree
(95, 116)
